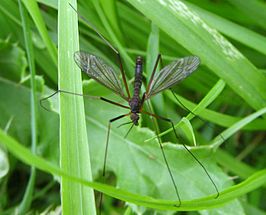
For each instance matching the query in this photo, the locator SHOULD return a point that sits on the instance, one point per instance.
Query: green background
(226, 95)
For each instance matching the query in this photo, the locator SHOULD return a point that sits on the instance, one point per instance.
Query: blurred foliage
(226, 35)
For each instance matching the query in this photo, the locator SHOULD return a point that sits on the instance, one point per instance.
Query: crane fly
(167, 77)
(170, 75)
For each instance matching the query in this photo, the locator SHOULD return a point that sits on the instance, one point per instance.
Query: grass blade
(188, 29)
(217, 141)
(251, 183)
(207, 100)
(74, 151)
(34, 11)
(255, 10)
(233, 30)
(27, 198)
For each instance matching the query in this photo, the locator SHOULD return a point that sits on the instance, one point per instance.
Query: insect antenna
(126, 123)
(129, 130)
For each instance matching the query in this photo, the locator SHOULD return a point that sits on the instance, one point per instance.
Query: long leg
(149, 85)
(165, 160)
(106, 150)
(184, 107)
(172, 124)
(123, 73)
(78, 94)
(153, 72)
(109, 44)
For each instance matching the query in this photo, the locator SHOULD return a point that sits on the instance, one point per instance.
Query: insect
(166, 78)
(170, 75)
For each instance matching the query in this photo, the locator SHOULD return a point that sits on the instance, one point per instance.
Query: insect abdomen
(138, 77)
(135, 101)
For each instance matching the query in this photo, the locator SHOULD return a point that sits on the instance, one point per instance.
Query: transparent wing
(98, 70)
(172, 74)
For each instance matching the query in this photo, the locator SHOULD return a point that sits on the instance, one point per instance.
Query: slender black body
(135, 101)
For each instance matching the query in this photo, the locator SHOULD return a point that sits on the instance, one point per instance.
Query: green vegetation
(52, 160)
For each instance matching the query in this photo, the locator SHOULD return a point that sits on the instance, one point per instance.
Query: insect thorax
(134, 104)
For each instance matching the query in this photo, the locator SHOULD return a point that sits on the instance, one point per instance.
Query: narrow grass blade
(151, 56)
(34, 11)
(233, 165)
(255, 10)
(208, 99)
(189, 30)
(237, 32)
(27, 198)
(74, 151)
(153, 50)
(251, 183)
(219, 118)
(217, 141)
(128, 61)
(110, 11)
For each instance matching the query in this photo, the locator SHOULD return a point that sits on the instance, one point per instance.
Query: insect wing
(98, 70)
(172, 74)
